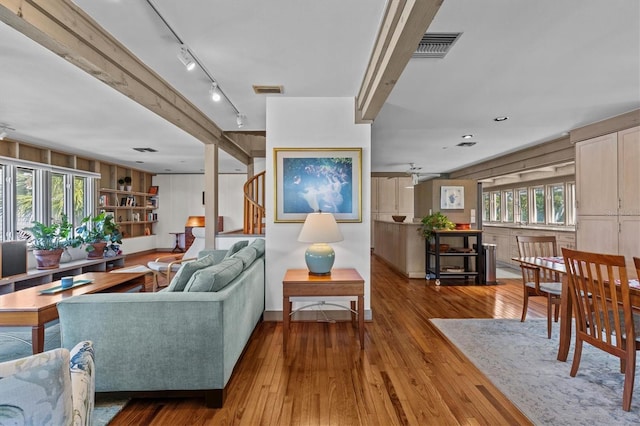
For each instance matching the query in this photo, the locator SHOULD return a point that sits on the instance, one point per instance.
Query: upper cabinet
(392, 196)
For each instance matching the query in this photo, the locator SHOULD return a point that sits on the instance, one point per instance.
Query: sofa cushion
(215, 277)
(236, 247)
(247, 255)
(258, 245)
(182, 277)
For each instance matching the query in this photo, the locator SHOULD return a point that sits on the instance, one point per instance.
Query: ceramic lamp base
(320, 258)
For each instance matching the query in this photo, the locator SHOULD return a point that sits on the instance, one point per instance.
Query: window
(495, 207)
(522, 206)
(557, 204)
(57, 196)
(508, 206)
(24, 198)
(486, 207)
(538, 213)
(2, 216)
(570, 203)
(79, 195)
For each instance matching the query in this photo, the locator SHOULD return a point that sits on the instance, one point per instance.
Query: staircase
(254, 205)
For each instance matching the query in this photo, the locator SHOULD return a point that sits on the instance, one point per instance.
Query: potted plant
(98, 233)
(127, 183)
(121, 184)
(49, 242)
(432, 222)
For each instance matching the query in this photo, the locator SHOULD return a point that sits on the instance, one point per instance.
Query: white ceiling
(549, 65)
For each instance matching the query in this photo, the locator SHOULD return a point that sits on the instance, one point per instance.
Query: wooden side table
(341, 282)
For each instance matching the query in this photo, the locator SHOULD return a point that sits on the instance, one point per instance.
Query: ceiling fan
(417, 175)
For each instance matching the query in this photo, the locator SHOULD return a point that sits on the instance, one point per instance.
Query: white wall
(309, 123)
(180, 196)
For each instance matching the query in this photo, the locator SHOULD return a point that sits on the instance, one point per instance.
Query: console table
(341, 282)
(35, 277)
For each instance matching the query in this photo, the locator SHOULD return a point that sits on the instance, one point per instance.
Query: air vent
(466, 144)
(145, 150)
(267, 90)
(435, 45)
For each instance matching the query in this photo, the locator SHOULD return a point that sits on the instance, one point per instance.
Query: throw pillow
(247, 255)
(215, 277)
(236, 248)
(182, 277)
(258, 244)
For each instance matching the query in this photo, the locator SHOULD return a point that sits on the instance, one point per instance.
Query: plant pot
(127, 188)
(48, 259)
(121, 187)
(98, 250)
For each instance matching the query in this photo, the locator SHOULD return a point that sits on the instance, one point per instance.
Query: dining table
(556, 264)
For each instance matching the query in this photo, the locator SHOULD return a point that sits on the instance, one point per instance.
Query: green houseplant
(97, 233)
(432, 222)
(49, 241)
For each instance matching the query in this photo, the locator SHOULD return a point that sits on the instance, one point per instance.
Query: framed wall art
(452, 197)
(308, 180)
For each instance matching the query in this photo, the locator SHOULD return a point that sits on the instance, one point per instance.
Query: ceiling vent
(267, 90)
(466, 144)
(145, 150)
(435, 45)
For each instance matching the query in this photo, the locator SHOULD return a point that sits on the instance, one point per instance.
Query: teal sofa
(183, 341)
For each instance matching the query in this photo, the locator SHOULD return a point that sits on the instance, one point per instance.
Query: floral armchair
(54, 387)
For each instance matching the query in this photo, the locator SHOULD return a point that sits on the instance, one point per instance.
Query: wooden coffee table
(30, 308)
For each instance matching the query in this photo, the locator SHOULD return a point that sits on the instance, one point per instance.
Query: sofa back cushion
(182, 277)
(236, 247)
(247, 255)
(258, 245)
(216, 277)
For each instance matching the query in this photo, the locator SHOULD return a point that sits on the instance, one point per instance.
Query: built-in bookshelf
(133, 204)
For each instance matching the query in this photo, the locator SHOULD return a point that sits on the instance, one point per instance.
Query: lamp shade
(320, 229)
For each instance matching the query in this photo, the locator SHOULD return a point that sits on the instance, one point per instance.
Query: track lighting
(214, 92)
(186, 58)
(3, 134)
(240, 120)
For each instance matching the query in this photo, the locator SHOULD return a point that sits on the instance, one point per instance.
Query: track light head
(3, 134)
(214, 92)
(186, 58)
(240, 120)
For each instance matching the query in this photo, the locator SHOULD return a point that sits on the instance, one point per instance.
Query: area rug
(15, 342)
(521, 362)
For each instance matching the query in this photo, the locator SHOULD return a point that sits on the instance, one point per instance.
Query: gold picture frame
(318, 179)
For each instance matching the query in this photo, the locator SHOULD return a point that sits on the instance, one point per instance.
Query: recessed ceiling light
(467, 136)
(501, 118)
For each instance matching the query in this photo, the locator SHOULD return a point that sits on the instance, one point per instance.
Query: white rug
(520, 360)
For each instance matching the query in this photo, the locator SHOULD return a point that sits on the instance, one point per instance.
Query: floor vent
(435, 45)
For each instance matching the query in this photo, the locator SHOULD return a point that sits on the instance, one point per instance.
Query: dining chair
(599, 288)
(166, 265)
(540, 282)
(636, 261)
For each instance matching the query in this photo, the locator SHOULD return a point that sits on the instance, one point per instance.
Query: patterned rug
(521, 362)
(15, 342)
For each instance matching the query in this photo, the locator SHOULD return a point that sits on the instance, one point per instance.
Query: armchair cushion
(40, 389)
(236, 247)
(215, 277)
(182, 277)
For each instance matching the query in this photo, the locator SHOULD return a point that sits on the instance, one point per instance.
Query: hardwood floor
(408, 374)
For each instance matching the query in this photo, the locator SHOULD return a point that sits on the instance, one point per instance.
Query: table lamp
(320, 229)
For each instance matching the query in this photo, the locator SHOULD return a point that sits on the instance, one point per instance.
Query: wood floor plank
(407, 374)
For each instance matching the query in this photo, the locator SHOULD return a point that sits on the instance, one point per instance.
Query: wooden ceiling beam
(65, 29)
(404, 24)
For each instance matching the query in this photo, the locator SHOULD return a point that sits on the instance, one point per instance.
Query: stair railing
(254, 205)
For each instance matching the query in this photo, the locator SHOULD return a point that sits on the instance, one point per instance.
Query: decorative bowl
(463, 226)
(398, 218)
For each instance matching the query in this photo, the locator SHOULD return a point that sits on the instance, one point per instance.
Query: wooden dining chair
(599, 288)
(636, 261)
(540, 282)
